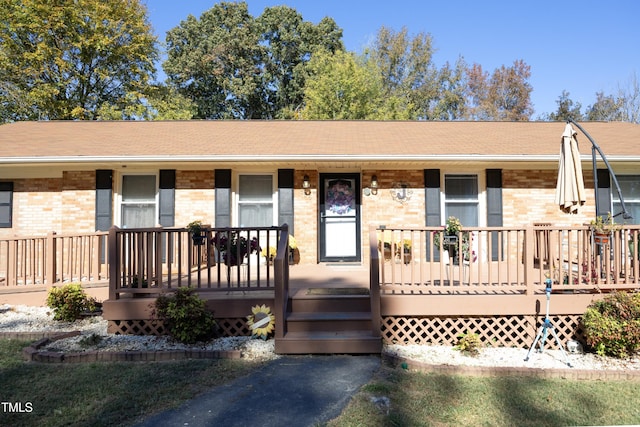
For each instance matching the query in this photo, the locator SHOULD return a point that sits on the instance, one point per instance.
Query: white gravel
(38, 319)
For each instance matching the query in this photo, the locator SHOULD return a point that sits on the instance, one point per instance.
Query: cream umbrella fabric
(570, 193)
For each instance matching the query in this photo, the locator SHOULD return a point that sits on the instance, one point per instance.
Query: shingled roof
(184, 140)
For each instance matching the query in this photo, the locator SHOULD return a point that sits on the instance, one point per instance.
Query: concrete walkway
(291, 391)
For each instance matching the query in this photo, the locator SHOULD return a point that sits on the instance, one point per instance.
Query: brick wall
(195, 197)
(529, 196)
(67, 204)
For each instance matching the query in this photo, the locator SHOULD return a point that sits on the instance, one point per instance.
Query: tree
(160, 103)
(63, 60)
(343, 86)
(567, 109)
(631, 100)
(290, 42)
(450, 103)
(607, 108)
(407, 70)
(506, 95)
(216, 62)
(233, 65)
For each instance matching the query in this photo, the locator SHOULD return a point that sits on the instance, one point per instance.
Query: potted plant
(294, 254)
(196, 231)
(385, 249)
(449, 236)
(403, 247)
(233, 247)
(603, 227)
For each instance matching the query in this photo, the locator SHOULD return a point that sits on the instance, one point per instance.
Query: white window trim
(235, 211)
(117, 214)
(482, 194)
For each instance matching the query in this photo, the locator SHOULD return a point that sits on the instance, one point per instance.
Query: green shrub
(469, 343)
(69, 301)
(612, 325)
(185, 316)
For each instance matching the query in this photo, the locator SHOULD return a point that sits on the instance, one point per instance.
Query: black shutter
(285, 198)
(167, 197)
(223, 197)
(603, 193)
(6, 204)
(104, 199)
(494, 207)
(432, 204)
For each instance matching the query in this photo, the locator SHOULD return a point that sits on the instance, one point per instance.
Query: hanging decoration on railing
(400, 192)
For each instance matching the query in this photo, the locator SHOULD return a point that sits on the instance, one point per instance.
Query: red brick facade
(67, 204)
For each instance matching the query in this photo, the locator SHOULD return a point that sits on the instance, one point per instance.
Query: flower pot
(601, 238)
(407, 257)
(198, 239)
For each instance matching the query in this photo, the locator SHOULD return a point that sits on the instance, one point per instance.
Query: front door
(340, 217)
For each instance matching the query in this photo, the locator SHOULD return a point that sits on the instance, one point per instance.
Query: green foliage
(156, 102)
(185, 316)
(235, 66)
(612, 325)
(69, 301)
(343, 86)
(469, 344)
(63, 60)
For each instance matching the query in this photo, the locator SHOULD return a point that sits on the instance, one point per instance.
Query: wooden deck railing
(154, 260)
(281, 294)
(54, 258)
(504, 260)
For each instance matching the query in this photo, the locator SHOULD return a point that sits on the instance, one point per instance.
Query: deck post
(50, 261)
(114, 262)
(281, 279)
(529, 269)
(374, 280)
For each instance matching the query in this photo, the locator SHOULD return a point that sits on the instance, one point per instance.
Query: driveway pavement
(294, 391)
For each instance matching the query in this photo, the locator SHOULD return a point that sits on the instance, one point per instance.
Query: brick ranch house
(330, 181)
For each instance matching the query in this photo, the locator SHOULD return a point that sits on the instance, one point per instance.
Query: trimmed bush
(185, 316)
(612, 325)
(69, 302)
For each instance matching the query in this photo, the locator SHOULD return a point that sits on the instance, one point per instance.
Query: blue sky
(583, 47)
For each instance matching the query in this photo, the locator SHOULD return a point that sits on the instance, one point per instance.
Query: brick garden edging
(32, 352)
(499, 371)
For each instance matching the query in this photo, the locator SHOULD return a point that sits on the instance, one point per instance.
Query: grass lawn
(102, 394)
(121, 393)
(423, 399)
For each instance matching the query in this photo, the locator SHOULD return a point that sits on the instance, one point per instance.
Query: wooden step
(328, 321)
(344, 342)
(323, 303)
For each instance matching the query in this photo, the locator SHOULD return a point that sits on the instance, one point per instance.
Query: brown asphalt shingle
(306, 138)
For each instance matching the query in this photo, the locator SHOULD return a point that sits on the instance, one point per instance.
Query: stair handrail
(281, 278)
(374, 281)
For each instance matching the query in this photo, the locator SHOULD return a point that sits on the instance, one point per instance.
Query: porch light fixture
(374, 185)
(306, 184)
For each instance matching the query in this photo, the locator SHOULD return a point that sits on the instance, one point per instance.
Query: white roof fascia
(300, 157)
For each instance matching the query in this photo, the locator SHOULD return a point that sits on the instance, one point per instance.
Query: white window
(630, 188)
(461, 199)
(138, 201)
(255, 201)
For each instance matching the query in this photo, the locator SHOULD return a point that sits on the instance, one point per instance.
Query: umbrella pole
(594, 147)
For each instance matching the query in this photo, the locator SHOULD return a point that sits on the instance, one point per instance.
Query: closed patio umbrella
(570, 194)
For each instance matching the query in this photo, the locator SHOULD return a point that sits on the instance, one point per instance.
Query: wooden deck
(415, 297)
